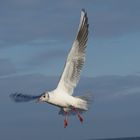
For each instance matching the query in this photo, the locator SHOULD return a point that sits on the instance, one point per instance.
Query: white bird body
(60, 99)
(62, 95)
(64, 100)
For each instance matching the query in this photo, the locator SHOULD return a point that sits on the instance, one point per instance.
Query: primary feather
(19, 97)
(76, 58)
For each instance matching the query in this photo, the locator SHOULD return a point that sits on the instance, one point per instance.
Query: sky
(35, 38)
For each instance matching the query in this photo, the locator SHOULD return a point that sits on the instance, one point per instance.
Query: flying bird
(62, 95)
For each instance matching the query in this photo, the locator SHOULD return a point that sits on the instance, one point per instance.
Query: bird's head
(44, 97)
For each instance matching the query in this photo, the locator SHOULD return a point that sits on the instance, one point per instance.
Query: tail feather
(82, 105)
(84, 101)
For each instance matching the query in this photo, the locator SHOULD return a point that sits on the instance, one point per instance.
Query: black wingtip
(19, 97)
(14, 97)
(84, 11)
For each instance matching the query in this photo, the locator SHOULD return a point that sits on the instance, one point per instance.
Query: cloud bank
(22, 22)
(109, 113)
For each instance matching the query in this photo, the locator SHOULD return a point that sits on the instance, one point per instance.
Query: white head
(44, 97)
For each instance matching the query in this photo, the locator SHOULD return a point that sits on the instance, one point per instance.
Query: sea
(129, 138)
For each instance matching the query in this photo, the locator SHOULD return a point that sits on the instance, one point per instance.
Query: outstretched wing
(76, 58)
(19, 97)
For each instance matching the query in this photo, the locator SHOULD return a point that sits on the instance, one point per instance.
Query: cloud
(46, 57)
(25, 21)
(6, 67)
(110, 87)
(102, 87)
(29, 118)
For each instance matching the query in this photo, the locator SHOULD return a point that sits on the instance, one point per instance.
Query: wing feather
(76, 58)
(19, 97)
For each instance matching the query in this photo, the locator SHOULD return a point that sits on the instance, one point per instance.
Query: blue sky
(35, 38)
(31, 31)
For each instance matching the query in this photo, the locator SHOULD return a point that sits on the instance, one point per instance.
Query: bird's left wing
(19, 97)
(75, 59)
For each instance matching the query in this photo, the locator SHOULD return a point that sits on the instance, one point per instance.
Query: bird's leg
(78, 115)
(66, 120)
(80, 118)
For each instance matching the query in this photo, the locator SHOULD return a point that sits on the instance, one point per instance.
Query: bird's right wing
(19, 97)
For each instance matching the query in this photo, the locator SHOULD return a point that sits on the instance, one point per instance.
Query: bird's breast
(61, 100)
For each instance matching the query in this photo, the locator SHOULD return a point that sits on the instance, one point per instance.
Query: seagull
(62, 95)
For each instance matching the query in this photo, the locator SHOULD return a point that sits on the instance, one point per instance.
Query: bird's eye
(44, 96)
